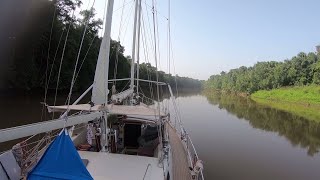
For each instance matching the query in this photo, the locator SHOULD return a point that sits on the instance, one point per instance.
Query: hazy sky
(211, 36)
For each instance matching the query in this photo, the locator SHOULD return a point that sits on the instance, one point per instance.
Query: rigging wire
(152, 43)
(174, 70)
(91, 43)
(43, 113)
(126, 21)
(146, 49)
(122, 7)
(138, 45)
(168, 45)
(86, 54)
(61, 61)
(78, 56)
(149, 27)
(156, 11)
(62, 56)
(84, 58)
(158, 39)
(157, 74)
(169, 37)
(121, 29)
(46, 74)
(54, 58)
(118, 48)
(177, 107)
(104, 16)
(144, 43)
(155, 25)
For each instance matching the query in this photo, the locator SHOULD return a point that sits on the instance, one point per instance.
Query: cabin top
(107, 166)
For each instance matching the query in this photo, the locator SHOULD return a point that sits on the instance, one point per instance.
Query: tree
(36, 63)
(302, 69)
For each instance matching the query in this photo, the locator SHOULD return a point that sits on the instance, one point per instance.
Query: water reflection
(299, 131)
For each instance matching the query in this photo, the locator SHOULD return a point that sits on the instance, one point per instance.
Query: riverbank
(302, 101)
(209, 91)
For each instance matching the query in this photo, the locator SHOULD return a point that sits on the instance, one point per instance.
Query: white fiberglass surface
(109, 166)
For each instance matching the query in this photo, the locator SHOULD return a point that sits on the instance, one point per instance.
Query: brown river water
(235, 137)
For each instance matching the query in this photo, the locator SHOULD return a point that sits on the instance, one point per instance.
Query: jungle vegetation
(300, 70)
(39, 50)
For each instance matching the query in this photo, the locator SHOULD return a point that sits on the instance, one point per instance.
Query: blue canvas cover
(60, 161)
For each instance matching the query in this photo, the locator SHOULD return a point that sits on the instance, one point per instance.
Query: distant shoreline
(300, 100)
(303, 101)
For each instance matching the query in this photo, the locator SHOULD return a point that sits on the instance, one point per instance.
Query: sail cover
(60, 161)
(100, 84)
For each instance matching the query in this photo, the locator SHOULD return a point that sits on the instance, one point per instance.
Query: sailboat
(120, 137)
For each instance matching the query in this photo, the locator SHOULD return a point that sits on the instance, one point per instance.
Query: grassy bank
(302, 101)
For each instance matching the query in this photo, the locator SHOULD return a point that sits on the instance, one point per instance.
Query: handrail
(145, 97)
(195, 154)
(191, 150)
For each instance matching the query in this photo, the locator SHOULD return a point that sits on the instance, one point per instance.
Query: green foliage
(30, 60)
(305, 95)
(303, 69)
(147, 71)
(301, 101)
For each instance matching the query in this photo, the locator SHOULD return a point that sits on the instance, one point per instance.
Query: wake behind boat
(118, 135)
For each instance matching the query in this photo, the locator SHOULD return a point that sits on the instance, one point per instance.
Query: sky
(211, 36)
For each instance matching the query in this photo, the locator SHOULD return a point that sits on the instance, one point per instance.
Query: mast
(155, 53)
(138, 45)
(134, 45)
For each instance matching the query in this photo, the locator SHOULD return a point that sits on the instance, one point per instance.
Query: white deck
(107, 166)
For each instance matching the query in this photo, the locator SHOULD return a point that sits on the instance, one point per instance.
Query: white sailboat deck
(108, 166)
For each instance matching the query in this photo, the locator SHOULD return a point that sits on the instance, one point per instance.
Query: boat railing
(146, 100)
(193, 158)
(31, 149)
(195, 163)
(28, 151)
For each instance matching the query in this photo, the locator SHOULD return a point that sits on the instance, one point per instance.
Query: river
(235, 137)
(239, 139)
